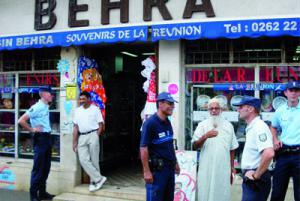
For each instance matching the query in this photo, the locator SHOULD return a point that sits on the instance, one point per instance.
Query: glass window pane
(7, 115)
(17, 60)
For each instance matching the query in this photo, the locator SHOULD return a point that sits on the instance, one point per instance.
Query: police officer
(38, 115)
(258, 151)
(287, 144)
(157, 151)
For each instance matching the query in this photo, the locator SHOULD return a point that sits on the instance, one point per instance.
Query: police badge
(262, 137)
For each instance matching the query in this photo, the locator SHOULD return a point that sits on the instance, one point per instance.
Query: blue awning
(174, 31)
(227, 29)
(78, 37)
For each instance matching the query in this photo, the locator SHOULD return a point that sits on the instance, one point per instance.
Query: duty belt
(85, 133)
(289, 149)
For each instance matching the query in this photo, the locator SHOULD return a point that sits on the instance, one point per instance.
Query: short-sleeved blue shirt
(39, 116)
(157, 135)
(287, 119)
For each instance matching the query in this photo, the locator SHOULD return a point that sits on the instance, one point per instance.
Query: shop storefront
(202, 50)
(229, 69)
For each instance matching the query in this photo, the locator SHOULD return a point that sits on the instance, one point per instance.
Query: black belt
(289, 149)
(85, 133)
(42, 133)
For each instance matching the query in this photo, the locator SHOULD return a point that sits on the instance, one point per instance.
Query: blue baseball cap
(165, 96)
(292, 85)
(249, 100)
(45, 89)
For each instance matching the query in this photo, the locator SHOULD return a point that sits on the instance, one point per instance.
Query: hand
(177, 169)
(75, 147)
(148, 177)
(37, 129)
(277, 144)
(99, 133)
(211, 133)
(233, 173)
(249, 174)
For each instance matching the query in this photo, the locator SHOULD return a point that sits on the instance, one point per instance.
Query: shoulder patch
(262, 137)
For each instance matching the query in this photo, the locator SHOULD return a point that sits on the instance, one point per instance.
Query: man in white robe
(216, 140)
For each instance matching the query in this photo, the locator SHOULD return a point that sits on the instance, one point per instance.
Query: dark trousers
(162, 188)
(287, 166)
(42, 144)
(258, 191)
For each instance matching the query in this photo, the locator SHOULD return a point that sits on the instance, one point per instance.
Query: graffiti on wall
(7, 178)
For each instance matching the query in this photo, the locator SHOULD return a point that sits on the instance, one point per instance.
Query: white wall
(17, 16)
(170, 67)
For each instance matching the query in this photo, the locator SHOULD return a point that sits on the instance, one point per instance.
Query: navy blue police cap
(249, 100)
(165, 96)
(292, 85)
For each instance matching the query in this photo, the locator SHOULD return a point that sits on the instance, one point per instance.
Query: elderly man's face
(214, 109)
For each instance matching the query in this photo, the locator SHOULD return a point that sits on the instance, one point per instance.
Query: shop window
(260, 50)
(18, 60)
(207, 51)
(272, 79)
(27, 60)
(27, 97)
(229, 84)
(46, 59)
(7, 115)
(27, 93)
(292, 46)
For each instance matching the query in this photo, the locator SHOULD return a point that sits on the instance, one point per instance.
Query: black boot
(46, 196)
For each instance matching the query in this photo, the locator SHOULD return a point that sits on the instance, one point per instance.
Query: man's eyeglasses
(214, 108)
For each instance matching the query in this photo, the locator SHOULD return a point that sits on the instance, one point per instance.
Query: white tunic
(214, 165)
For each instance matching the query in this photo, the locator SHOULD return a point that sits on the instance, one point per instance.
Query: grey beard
(215, 121)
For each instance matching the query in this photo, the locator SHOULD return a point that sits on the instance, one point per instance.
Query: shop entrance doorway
(120, 67)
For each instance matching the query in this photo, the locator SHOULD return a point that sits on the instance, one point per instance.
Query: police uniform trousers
(42, 145)
(162, 188)
(287, 166)
(257, 190)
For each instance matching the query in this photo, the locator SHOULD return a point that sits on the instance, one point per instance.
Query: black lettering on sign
(46, 12)
(73, 10)
(191, 8)
(106, 6)
(162, 8)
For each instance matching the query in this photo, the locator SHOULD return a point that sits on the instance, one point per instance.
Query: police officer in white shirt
(258, 151)
(88, 124)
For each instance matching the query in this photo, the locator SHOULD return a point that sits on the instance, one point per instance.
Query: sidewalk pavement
(12, 195)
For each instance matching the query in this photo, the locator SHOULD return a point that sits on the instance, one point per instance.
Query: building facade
(202, 50)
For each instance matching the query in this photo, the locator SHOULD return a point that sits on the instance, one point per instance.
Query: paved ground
(9, 195)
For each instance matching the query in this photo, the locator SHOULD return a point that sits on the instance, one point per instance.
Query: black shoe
(46, 196)
(34, 199)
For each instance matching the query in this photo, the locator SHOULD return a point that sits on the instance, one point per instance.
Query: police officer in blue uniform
(287, 144)
(38, 115)
(258, 151)
(157, 151)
